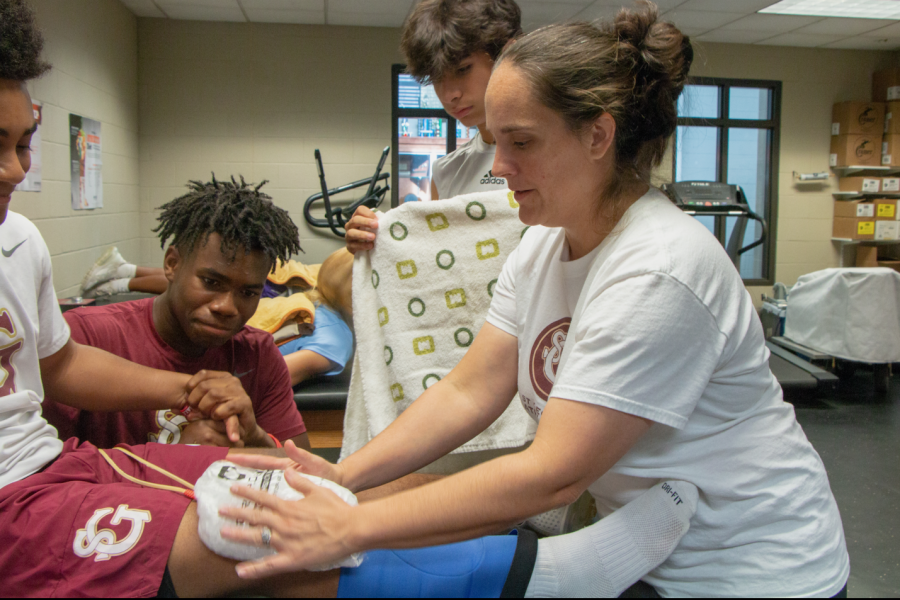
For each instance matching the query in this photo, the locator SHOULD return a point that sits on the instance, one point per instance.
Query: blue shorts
(490, 567)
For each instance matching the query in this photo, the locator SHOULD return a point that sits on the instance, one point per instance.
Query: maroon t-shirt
(126, 329)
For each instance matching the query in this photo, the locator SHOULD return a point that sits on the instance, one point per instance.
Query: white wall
(256, 100)
(92, 45)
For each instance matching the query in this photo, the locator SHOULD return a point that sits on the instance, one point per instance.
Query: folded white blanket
(419, 299)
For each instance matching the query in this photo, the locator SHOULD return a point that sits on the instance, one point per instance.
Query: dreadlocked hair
(20, 43)
(242, 215)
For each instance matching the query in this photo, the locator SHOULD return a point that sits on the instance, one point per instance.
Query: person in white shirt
(629, 336)
(453, 45)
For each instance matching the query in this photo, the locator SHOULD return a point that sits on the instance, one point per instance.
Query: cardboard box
(886, 85)
(890, 150)
(887, 210)
(854, 209)
(862, 185)
(849, 228)
(890, 264)
(857, 117)
(892, 117)
(890, 184)
(886, 231)
(856, 150)
(867, 256)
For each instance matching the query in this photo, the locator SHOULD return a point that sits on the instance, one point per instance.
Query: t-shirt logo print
(489, 179)
(170, 426)
(545, 355)
(104, 543)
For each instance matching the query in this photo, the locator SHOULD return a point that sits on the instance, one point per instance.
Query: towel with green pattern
(419, 299)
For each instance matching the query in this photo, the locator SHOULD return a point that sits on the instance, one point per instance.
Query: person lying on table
(226, 237)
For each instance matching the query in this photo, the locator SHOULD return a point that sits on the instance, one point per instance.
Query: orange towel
(274, 313)
(295, 274)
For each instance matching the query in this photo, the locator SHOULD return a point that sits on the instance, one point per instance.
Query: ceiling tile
(292, 5)
(866, 43)
(809, 40)
(734, 37)
(361, 19)
(598, 11)
(297, 17)
(193, 12)
(663, 5)
(369, 6)
(845, 27)
(773, 23)
(892, 30)
(165, 4)
(549, 12)
(700, 20)
(746, 7)
(143, 8)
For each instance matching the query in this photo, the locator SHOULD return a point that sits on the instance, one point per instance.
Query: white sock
(126, 271)
(116, 286)
(603, 560)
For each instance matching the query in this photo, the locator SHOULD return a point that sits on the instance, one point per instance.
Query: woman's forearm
(441, 420)
(575, 445)
(91, 379)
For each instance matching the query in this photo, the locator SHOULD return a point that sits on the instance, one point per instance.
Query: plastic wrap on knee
(213, 491)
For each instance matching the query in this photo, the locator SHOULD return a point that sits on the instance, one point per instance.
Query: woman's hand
(298, 460)
(361, 230)
(305, 533)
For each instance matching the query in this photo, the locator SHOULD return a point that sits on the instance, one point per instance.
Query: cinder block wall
(92, 45)
(256, 100)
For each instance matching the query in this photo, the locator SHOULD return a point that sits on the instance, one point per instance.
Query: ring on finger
(266, 536)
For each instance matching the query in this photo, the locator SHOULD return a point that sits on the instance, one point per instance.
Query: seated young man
(225, 236)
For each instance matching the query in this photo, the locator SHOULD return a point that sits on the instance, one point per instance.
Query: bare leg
(151, 284)
(149, 272)
(196, 571)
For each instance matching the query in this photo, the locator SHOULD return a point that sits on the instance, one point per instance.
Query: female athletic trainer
(664, 371)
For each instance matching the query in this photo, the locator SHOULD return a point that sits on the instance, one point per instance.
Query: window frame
(398, 113)
(723, 123)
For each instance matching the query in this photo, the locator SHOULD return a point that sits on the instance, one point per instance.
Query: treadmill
(722, 200)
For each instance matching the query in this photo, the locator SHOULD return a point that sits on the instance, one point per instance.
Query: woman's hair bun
(633, 67)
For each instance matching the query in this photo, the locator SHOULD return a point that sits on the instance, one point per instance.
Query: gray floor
(857, 434)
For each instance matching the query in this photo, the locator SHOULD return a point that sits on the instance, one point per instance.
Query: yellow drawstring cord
(187, 490)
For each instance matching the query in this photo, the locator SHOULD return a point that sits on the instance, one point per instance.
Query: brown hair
(334, 285)
(439, 34)
(633, 68)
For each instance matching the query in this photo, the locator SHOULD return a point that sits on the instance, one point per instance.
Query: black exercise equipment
(336, 218)
(720, 200)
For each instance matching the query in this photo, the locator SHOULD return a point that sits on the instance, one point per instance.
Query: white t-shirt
(31, 327)
(467, 170)
(669, 333)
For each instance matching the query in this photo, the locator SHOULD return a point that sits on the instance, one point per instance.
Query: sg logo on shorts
(104, 543)
(545, 355)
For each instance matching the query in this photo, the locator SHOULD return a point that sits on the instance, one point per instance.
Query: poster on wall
(32, 181)
(87, 164)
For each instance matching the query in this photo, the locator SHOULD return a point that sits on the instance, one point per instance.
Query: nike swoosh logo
(242, 374)
(8, 253)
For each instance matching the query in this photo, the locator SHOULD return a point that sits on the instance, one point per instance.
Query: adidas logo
(489, 179)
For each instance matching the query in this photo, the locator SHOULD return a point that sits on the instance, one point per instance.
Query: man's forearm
(92, 379)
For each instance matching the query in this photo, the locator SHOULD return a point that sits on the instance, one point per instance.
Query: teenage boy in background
(225, 237)
(453, 44)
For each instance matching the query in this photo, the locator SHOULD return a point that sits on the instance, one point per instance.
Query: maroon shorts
(78, 529)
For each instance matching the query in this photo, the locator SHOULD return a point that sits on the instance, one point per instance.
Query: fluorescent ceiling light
(854, 9)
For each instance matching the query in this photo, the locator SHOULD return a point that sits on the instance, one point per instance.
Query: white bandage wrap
(603, 560)
(213, 491)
